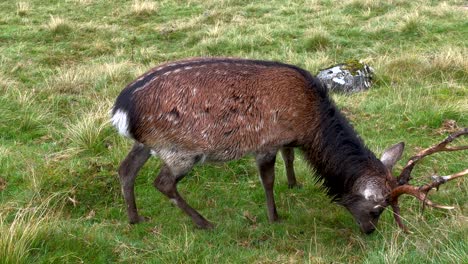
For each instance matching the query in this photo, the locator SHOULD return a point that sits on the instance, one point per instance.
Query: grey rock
(352, 76)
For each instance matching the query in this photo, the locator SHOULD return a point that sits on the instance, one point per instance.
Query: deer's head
(368, 197)
(371, 195)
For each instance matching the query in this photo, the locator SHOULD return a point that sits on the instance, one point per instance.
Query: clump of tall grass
(6, 82)
(84, 2)
(144, 7)
(317, 40)
(23, 114)
(413, 24)
(450, 61)
(58, 25)
(22, 8)
(446, 63)
(23, 230)
(72, 80)
(90, 130)
(84, 78)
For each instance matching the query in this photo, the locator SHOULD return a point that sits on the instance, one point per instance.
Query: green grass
(62, 63)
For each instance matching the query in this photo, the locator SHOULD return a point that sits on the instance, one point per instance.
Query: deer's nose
(369, 231)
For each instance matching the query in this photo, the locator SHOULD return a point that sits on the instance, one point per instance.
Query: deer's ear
(392, 154)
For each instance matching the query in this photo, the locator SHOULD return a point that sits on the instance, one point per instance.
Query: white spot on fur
(188, 68)
(371, 194)
(203, 159)
(146, 84)
(368, 193)
(120, 121)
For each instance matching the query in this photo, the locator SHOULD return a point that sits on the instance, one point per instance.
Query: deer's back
(224, 109)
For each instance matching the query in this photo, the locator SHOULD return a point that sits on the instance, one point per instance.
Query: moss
(353, 65)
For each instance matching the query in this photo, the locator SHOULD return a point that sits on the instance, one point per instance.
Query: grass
(29, 225)
(143, 7)
(63, 63)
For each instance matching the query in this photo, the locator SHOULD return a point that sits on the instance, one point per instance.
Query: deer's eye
(375, 213)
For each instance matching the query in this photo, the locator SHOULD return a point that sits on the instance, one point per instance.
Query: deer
(217, 109)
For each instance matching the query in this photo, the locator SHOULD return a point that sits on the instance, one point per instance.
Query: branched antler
(421, 192)
(405, 175)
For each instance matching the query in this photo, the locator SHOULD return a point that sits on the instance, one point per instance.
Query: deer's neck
(337, 153)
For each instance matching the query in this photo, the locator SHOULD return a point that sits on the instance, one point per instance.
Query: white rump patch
(120, 121)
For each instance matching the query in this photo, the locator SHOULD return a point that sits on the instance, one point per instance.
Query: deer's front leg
(266, 168)
(288, 157)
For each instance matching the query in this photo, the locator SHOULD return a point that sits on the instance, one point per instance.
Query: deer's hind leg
(128, 171)
(174, 170)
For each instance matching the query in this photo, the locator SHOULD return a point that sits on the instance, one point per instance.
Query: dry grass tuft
(25, 229)
(6, 83)
(143, 7)
(4, 152)
(82, 78)
(317, 39)
(26, 116)
(22, 8)
(450, 59)
(84, 2)
(58, 25)
(88, 132)
(412, 23)
(448, 63)
(3, 184)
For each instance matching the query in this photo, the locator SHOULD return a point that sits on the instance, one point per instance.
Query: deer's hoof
(205, 225)
(139, 219)
(295, 186)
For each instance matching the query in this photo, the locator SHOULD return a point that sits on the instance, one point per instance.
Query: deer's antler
(421, 192)
(405, 175)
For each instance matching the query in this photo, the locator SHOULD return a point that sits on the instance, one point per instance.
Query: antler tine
(405, 175)
(396, 215)
(422, 191)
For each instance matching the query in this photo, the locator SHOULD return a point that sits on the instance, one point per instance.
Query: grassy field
(63, 62)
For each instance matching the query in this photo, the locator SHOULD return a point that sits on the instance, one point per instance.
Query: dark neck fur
(337, 153)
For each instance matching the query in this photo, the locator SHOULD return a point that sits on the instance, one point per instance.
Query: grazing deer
(219, 109)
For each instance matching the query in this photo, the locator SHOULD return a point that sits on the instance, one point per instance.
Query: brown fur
(234, 112)
(220, 109)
